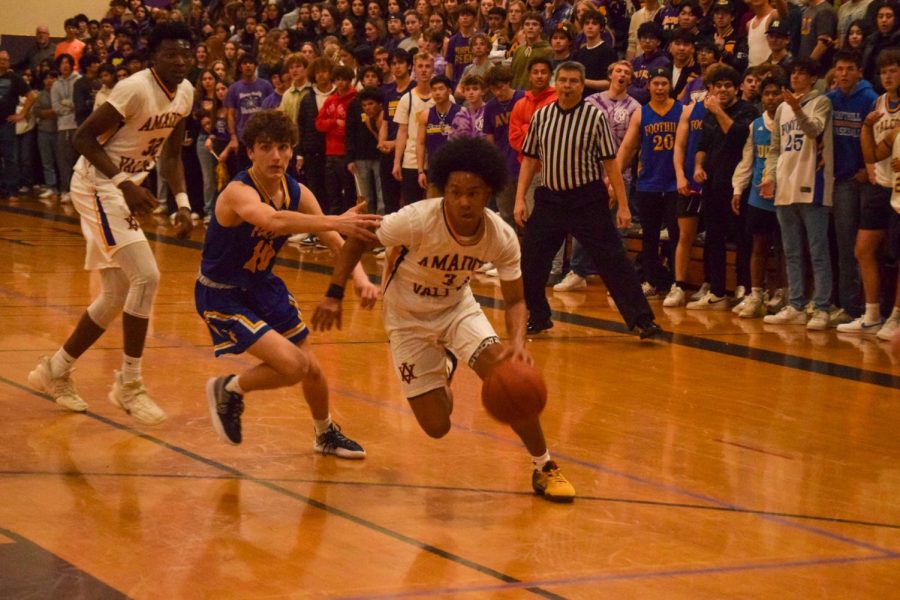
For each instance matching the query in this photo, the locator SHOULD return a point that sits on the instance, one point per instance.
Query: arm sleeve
(323, 122)
(813, 115)
(508, 261)
(744, 170)
(517, 126)
(401, 115)
(742, 121)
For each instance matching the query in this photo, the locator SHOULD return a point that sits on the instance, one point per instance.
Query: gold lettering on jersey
(132, 165)
(661, 127)
(263, 254)
(164, 121)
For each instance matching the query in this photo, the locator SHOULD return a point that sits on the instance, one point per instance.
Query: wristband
(182, 200)
(335, 291)
(119, 178)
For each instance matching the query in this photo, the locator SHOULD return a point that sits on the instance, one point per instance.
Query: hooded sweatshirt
(801, 153)
(521, 115)
(523, 55)
(334, 109)
(849, 112)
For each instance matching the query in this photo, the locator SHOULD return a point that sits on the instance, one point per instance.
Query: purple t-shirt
(273, 100)
(496, 123)
(459, 56)
(247, 99)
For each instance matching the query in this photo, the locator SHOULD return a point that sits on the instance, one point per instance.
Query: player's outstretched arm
(105, 120)
(329, 310)
(516, 317)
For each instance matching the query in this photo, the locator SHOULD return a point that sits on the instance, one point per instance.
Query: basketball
(514, 391)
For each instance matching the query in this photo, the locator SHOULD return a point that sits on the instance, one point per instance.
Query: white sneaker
(572, 281)
(664, 235)
(704, 289)
(649, 290)
(753, 307)
(740, 305)
(740, 292)
(819, 321)
(887, 330)
(839, 316)
(709, 302)
(776, 302)
(46, 193)
(132, 398)
(787, 316)
(62, 388)
(860, 326)
(65, 198)
(675, 297)
(297, 238)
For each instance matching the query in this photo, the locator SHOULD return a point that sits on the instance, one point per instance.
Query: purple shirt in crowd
(247, 99)
(468, 123)
(496, 123)
(618, 114)
(273, 100)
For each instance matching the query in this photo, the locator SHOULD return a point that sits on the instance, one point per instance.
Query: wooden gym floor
(732, 459)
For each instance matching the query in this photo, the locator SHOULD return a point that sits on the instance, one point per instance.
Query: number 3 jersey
(243, 255)
(150, 112)
(429, 265)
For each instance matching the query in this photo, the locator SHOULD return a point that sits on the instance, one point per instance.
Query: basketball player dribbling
(120, 143)
(430, 314)
(249, 309)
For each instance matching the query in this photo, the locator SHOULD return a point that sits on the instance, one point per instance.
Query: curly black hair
(169, 31)
(470, 155)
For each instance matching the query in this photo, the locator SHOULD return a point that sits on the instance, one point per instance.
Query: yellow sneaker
(551, 484)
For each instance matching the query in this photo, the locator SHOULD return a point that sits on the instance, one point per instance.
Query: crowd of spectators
(767, 126)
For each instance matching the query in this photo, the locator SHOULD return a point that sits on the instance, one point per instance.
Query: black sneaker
(225, 409)
(535, 327)
(648, 329)
(335, 442)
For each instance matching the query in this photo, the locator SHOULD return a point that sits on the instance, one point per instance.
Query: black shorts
(875, 208)
(689, 206)
(761, 221)
(894, 237)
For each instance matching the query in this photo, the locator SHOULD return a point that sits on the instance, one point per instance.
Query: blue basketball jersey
(656, 169)
(762, 138)
(695, 130)
(243, 255)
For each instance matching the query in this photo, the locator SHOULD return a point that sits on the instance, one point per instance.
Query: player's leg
(138, 264)
(472, 336)
(53, 374)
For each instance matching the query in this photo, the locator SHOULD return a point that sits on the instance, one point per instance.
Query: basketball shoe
(61, 389)
(551, 484)
(225, 409)
(675, 297)
(132, 397)
(335, 442)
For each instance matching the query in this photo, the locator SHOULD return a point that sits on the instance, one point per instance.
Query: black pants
(314, 173)
(584, 213)
(412, 191)
(340, 190)
(657, 209)
(390, 187)
(721, 225)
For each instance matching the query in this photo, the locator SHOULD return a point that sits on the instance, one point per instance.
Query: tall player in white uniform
(142, 122)
(430, 314)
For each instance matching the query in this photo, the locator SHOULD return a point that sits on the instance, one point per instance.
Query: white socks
(234, 386)
(323, 425)
(60, 363)
(131, 368)
(873, 313)
(539, 461)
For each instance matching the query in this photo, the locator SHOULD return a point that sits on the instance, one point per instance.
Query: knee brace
(113, 291)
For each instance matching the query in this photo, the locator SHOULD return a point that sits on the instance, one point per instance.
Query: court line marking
(661, 574)
(771, 357)
(462, 490)
(269, 485)
(594, 466)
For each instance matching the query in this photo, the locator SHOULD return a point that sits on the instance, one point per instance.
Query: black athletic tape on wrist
(335, 291)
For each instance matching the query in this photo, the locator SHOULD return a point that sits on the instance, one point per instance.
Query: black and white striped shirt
(570, 144)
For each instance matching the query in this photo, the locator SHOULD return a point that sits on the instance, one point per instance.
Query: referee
(570, 139)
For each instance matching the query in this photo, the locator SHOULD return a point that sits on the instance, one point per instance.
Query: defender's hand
(183, 223)
(327, 313)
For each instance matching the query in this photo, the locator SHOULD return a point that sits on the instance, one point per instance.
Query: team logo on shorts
(132, 223)
(406, 372)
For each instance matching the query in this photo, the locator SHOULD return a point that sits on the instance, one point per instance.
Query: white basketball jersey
(888, 121)
(429, 266)
(150, 112)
